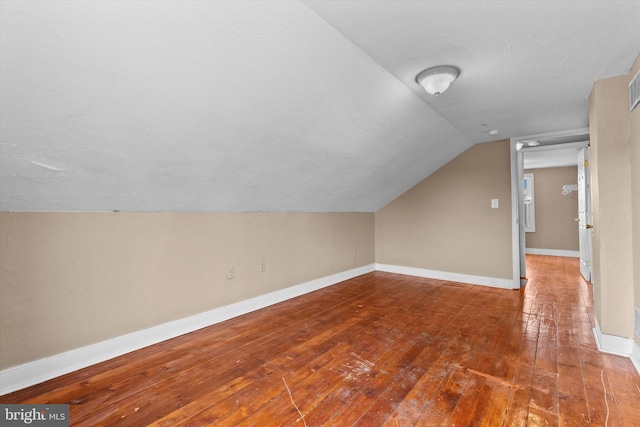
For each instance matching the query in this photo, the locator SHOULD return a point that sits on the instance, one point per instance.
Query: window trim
(529, 202)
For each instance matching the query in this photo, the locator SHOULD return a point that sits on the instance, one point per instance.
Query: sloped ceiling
(527, 66)
(278, 106)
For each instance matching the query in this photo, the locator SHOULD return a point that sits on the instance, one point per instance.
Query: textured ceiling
(527, 66)
(279, 106)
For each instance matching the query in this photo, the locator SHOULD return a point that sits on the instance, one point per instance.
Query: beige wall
(634, 140)
(72, 279)
(446, 223)
(610, 154)
(556, 227)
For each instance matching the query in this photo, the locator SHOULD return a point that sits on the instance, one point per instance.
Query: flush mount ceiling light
(436, 80)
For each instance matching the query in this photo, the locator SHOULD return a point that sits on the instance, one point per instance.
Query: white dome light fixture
(436, 80)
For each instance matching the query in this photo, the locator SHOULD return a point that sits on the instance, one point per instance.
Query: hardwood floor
(378, 350)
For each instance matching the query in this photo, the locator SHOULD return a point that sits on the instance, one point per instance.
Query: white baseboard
(613, 344)
(451, 277)
(553, 252)
(635, 356)
(619, 346)
(28, 374)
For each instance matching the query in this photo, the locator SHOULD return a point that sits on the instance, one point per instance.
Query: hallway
(599, 387)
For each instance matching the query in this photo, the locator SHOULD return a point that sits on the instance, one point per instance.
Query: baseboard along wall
(31, 373)
(553, 252)
(619, 346)
(450, 277)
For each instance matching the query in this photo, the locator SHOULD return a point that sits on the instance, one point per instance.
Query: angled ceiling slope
(527, 66)
(279, 106)
(202, 106)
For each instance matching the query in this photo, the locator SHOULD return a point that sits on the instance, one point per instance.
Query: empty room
(319, 213)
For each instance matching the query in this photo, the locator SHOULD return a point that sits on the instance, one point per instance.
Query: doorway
(552, 148)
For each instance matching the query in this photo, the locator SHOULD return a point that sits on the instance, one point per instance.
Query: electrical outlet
(263, 266)
(230, 273)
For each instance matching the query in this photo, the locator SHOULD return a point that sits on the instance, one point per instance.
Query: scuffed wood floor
(380, 349)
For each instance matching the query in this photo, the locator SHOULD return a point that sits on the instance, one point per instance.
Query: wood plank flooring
(378, 350)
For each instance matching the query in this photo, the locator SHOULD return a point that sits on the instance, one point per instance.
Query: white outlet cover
(494, 203)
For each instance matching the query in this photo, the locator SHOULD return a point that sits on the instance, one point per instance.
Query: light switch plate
(494, 203)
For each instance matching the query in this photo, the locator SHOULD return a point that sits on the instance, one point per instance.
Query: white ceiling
(552, 150)
(280, 105)
(551, 158)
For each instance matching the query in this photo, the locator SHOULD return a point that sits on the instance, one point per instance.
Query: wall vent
(634, 92)
(636, 323)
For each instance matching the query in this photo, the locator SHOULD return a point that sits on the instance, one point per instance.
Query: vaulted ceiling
(280, 105)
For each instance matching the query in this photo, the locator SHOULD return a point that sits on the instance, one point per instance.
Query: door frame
(517, 171)
(585, 221)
